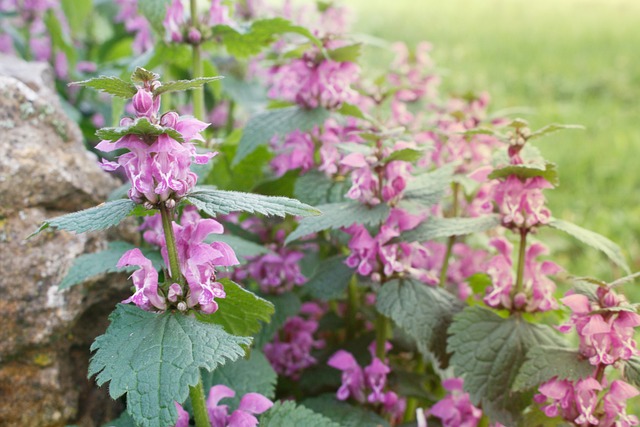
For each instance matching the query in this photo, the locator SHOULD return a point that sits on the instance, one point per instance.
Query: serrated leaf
(155, 12)
(525, 171)
(436, 227)
(330, 280)
(109, 84)
(243, 248)
(182, 85)
(424, 312)
(405, 154)
(592, 239)
(252, 375)
(142, 75)
(287, 414)
(314, 188)
(263, 126)
(337, 215)
(352, 111)
(141, 126)
(286, 305)
(546, 362)
(215, 202)
(546, 130)
(427, 189)
(155, 358)
(349, 53)
(342, 413)
(240, 312)
(631, 371)
(488, 351)
(90, 265)
(100, 217)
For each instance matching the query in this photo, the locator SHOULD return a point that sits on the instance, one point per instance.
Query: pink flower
(352, 376)
(456, 410)
(174, 21)
(615, 405)
(145, 280)
(521, 203)
(218, 14)
(296, 152)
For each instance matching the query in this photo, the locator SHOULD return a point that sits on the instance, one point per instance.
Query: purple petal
(254, 403)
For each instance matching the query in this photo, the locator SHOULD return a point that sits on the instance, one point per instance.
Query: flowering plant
(410, 282)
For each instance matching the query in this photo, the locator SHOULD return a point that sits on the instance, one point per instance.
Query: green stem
(172, 251)
(412, 402)
(352, 307)
(521, 261)
(452, 239)
(198, 93)
(382, 335)
(229, 126)
(196, 393)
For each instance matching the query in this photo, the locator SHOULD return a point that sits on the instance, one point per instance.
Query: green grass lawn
(569, 61)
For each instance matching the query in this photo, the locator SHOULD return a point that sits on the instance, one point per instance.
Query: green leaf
(287, 414)
(78, 14)
(242, 247)
(109, 84)
(252, 375)
(182, 85)
(247, 41)
(337, 215)
(592, 239)
(349, 53)
(286, 305)
(424, 312)
(488, 351)
(124, 420)
(427, 189)
(215, 202)
(100, 217)
(315, 189)
(352, 111)
(263, 126)
(141, 126)
(90, 265)
(342, 413)
(631, 371)
(551, 129)
(330, 279)
(60, 39)
(155, 358)
(436, 227)
(524, 171)
(155, 12)
(142, 75)
(240, 312)
(406, 155)
(546, 362)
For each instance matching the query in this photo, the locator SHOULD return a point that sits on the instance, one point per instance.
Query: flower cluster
(251, 404)
(368, 384)
(157, 167)
(290, 351)
(456, 409)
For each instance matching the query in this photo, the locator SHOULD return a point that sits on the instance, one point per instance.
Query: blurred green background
(569, 61)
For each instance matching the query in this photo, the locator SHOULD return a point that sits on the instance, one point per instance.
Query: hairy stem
(196, 393)
(198, 93)
(452, 239)
(172, 251)
(352, 307)
(521, 261)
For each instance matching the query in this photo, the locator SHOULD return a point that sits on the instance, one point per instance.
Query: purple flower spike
(352, 375)
(376, 379)
(145, 280)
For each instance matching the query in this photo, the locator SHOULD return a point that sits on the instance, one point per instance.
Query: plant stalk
(521, 261)
(383, 327)
(198, 93)
(196, 394)
(172, 251)
(352, 307)
(452, 239)
(412, 402)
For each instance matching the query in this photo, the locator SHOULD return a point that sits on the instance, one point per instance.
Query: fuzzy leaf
(286, 305)
(423, 312)
(546, 362)
(592, 239)
(155, 358)
(436, 227)
(316, 189)
(287, 414)
(631, 371)
(344, 414)
(142, 75)
(352, 111)
(263, 126)
(90, 265)
(349, 53)
(182, 85)
(549, 172)
(141, 126)
(155, 12)
(427, 189)
(406, 155)
(240, 312)
(111, 85)
(330, 279)
(215, 202)
(99, 217)
(337, 215)
(551, 129)
(252, 375)
(488, 351)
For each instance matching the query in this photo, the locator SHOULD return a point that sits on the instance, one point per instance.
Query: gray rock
(45, 171)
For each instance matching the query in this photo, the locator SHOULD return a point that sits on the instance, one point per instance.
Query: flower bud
(144, 104)
(170, 203)
(182, 306)
(126, 121)
(194, 36)
(169, 119)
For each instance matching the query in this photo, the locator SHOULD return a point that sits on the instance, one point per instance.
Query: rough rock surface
(45, 171)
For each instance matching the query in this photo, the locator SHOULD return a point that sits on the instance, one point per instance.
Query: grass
(570, 61)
